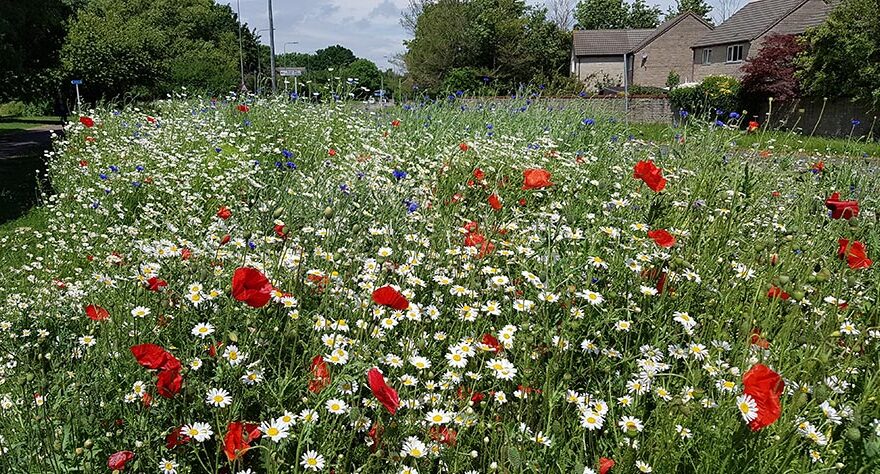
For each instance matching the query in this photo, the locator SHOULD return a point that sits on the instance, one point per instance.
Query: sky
(370, 28)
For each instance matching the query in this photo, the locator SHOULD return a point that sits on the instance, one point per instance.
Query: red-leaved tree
(771, 73)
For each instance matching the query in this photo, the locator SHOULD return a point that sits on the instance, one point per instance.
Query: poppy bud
(328, 212)
(853, 434)
(278, 213)
(88, 444)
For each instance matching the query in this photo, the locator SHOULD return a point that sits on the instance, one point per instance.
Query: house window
(735, 53)
(707, 56)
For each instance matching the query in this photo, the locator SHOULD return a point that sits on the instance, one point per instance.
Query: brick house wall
(668, 52)
(719, 64)
(596, 69)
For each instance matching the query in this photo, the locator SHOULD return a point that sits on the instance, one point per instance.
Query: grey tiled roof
(608, 42)
(666, 26)
(755, 18)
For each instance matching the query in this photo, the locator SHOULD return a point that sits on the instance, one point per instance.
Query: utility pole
(272, 47)
(240, 47)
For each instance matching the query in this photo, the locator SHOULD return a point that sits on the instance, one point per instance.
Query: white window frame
(731, 53)
(707, 56)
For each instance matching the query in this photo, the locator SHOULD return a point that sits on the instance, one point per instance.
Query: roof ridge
(784, 16)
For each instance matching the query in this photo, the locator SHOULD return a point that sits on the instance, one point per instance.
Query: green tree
(366, 72)
(601, 14)
(641, 15)
(842, 55)
(146, 48)
(503, 40)
(698, 7)
(335, 56)
(31, 35)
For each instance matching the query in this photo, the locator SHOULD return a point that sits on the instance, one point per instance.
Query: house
(724, 49)
(648, 55)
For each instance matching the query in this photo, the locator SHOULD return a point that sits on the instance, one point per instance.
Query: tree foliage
(771, 73)
(615, 14)
(698, 7)
(505, 41)
(31, 34)
(146, 48)
(842, 56)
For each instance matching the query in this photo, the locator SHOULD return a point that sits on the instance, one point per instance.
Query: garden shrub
(715, 93)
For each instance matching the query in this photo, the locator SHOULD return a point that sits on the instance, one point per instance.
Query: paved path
(22, 169)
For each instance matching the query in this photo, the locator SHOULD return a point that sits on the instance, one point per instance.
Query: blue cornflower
(290, 165)
(399, 174)
(856, 122)
(218, 149)
(136, 184)
(287, 153)
(252, 245)
(412, 207)
(278, 164)
(719, 123)
(345, 189)
(102, 176)
(114, 168)
(95, 205)
(734, 115)
(683, 113)
(139, 168)
(588, 121)
(489, 126)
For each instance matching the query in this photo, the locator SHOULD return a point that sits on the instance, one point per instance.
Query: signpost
(76, 83)
(295, 73)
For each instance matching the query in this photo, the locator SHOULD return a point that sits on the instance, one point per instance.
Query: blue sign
(76, 82)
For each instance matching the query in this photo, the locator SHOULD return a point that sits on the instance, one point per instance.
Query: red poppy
(225, 240)
(471, 226)
(331, 152)
(841, 209)
(818, 166)
(492, 342)
(855, 252)
(386, 395)
(662, 238)
(536, 179)
(650, 174)
(463, 146)
(238, 439)
(87, 121)
(765, 387)
(479, 174)
(117, 460)
(776, 292)
(388, 296)
(224, 213)
(605, 465)
(243, 108)
(91, 139)
(175, 438)
(522, 202)
(320, 375)
(281, 231)
(251, 286)
(154, 357)
(83, 163)
(443, 435)
(185, 254)
(151, 119)
(375, 435)
(758, 341)
(168, 382)
(155, 284)
(753, 126)
(495, 202)
(96, 313)
(395, 123)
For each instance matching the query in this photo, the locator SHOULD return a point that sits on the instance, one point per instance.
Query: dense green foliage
(615, 14)
(146, 48)
(842, 57)
(713, 94)
(328, 64)
(502, 43)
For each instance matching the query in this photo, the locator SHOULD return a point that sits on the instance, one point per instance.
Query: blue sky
(370, 28)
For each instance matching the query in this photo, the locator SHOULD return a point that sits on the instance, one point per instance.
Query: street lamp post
(382, 82)
(272, 47)
(240, 47)
(259, 62)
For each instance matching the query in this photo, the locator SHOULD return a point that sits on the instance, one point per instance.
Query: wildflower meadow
(251, 285)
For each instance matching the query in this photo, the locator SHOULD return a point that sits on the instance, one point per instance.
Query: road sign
(290, 71)
(76, 82)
